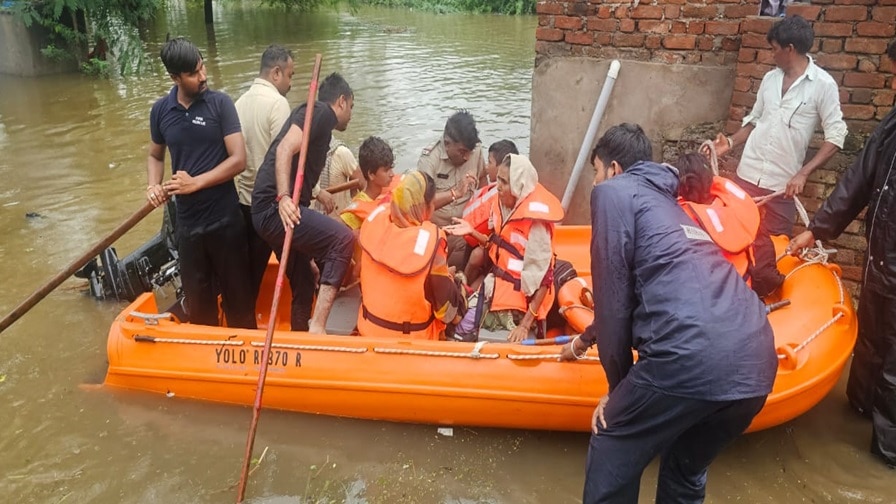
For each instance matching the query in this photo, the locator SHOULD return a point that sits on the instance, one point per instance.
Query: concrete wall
(664, 99)
(20, 50)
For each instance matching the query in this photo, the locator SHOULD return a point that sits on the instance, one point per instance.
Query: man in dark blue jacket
(706, 357)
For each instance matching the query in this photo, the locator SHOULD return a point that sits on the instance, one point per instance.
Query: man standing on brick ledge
(792, 99)
(870, 181)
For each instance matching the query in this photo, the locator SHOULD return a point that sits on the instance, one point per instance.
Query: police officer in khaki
(457, 165)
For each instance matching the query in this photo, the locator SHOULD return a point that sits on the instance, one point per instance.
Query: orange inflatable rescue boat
(451, 383)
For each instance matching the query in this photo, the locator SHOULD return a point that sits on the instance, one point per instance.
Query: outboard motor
(153, 265)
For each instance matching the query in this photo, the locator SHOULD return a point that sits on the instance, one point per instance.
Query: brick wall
(851, 40)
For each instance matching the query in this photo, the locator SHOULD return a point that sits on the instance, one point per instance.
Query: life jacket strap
(506, 276)
(502, 243)
(406, 327)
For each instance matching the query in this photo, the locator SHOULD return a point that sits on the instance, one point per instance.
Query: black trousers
(780, 212)
(259, 252)
(871, 387)
(642, 423)
(214, 258)
(328, 242)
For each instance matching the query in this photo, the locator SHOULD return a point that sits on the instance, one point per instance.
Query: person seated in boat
(478, 210)
(457, 165)
(377, 164)
(340, 168)
(521, 250)
(407, 288)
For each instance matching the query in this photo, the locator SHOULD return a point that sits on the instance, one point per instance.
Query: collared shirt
(776, 149)
(195, 138)
(434, 162)
(262, 111)
(339, 169)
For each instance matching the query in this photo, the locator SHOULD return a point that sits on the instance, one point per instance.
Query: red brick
(765, 57)
(722, 27)
(653, 41)
(651, 26)
(754, 70)
(846, 13)
(549, 8)
(602, 25)
(628, 40)
(696, 27)
(757, 83)
(548, 34)
(668, 58)
(742, 84)
(672, 11)
(706, 42)
(621, 12)
(677, 2)
(832, 29)
(861, 112)
(884, 14)
(604, 12)
(837, 76)
(754, 40)
(579, 38)
(603, 38)
(843, 93)
(746, 55)
(679, 27)
(867, 66)
(875, 29)
(882, 112)
(849, 2)
(866, 45)
(647, 12)
(760, 24)
(888, 2)
(627, 25)
(740, 11)
(737, 114)
(730, 44)
(680, 42)
(545, 20)
(883, 97)
(699, 11)
(886, 65)
(568, 22)
(808, 11)
(837, 61)
(832, 45)
(860, 96)
(864, 80)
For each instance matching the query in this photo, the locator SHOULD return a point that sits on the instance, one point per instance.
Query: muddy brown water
(72, 156)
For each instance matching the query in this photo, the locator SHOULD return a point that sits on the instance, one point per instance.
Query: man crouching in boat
(706, 357)
(407, 289)
(521, 249)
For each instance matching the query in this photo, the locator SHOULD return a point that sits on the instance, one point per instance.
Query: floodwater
(72, 165)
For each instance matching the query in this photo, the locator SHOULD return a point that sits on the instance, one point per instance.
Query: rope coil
(142, 338)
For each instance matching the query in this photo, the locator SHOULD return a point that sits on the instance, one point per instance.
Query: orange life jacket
(361, 209)
(395, 263)
(478, 210)
(732, 220)
(509, 247)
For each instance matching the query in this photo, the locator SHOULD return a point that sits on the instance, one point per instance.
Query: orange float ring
(577, 303)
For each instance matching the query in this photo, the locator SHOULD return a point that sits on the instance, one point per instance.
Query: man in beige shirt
(340, 168)
(262, 110)
(457, 165)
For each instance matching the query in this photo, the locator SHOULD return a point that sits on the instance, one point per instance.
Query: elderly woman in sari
(407, 289)
(521, 249)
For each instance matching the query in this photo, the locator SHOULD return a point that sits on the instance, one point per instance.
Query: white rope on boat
(555, 356)
(474, 354)
(827, 324)
(322, 348)
(140, 338)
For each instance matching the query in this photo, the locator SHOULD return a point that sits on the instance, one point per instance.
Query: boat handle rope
(154, 318)
(840, 313)
(322, 348)
(555, 356)
(474, 354)
(142, 338)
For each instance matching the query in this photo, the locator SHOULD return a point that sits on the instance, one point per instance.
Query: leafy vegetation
(510, 7)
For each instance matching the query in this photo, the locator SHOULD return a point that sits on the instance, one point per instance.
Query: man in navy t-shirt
(329, 242)
(201, 129)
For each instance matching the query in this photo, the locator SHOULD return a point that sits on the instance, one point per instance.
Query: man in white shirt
(262, 110)
(792, 100)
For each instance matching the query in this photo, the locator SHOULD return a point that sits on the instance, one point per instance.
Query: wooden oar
(278, 286)
(74, 266)
(338, 188)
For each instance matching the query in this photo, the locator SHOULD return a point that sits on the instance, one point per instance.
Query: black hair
(373, 154)
(461, 127)
(429, 193)
(624, 143)
(274, 56)
(501, 149)
(179, 55)
(695, 178)
(334, 86)
(793, 30)
(891, 51)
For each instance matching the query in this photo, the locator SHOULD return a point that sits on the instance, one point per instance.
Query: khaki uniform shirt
(262, 111)
(434, 161)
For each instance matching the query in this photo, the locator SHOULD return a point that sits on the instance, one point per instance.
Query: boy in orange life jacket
(479, 209)
(521, 249)
(407, 288)
(377, 162)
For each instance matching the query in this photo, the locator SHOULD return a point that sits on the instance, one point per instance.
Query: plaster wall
(20, 50)
(663, 99)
